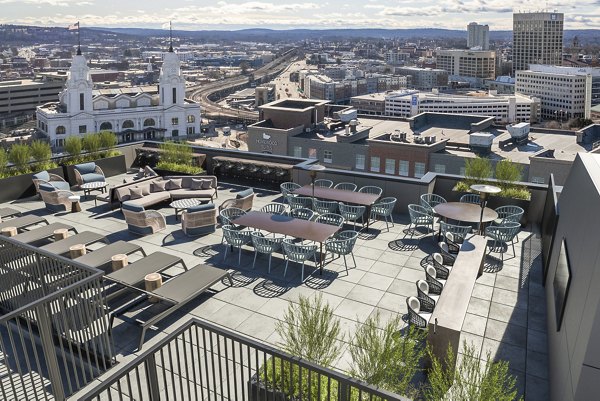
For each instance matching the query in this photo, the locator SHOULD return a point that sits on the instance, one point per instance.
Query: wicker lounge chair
(243, 200)
(44, 177)
(88, 172)
(199, 220)
(56, 200)
(141, 221)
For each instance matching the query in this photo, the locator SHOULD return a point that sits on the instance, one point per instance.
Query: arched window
(191, 118)
(127, 124)
(149, 122)
(61, 130)
(105, 126)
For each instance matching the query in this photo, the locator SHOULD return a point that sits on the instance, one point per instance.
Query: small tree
(41, 153)
(477, 170)
(91, 143)
(73, 146)
(20, 155)
(3, 162)
(310, 331)
(470, 378)
(508, 173)
(384, 357)
(108, 140)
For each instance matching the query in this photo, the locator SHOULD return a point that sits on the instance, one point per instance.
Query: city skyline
(288, 14)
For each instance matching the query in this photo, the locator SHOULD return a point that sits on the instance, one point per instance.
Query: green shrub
(41, 154)
(20, 155)
(516, 192)
(310, 331)
(108, 140)
(91, 143)
(3, 162)
(470, 378)
(73, 146)
(477, 170)
(385, 358)
(173, 152)
(178, 168)
(508, 173)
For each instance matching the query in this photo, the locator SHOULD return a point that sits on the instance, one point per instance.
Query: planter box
(21, 186)
(164, 173)
(111, 166)
(258, 392)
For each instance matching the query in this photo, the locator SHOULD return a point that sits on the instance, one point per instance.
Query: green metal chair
(471, 198)
(287, 188)
(419, 216)
(342, 244)
(459, 232)
(384, 208)
(322, 183)
(302, 213)
(265, 245)
(324, 206)
(333, 219)
(274, 208)
(236, 239)
(299, 253)
(503, 235)
(299, 202)
(371, 189)
(429, 201)
(345, 186)
(352, 213)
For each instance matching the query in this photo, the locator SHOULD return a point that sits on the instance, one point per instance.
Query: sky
(287, 14)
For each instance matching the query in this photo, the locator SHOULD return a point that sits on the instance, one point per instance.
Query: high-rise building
(537, 39)
(473, 66)
(478, 36)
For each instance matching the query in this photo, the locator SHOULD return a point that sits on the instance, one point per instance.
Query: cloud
(55, 3)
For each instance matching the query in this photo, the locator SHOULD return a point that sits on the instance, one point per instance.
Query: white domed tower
(77, 95)
(170, 81)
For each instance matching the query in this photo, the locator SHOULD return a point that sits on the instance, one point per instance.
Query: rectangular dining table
(290, 226)
(341, 195)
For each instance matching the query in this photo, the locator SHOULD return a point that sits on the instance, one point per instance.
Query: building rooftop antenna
(170, 37)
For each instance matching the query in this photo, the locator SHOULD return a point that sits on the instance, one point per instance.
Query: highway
(202, 93)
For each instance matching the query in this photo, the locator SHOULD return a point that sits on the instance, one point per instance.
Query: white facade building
(473, 66)
(565, 92)
(478, 36)
(505, 109)
(134, 113)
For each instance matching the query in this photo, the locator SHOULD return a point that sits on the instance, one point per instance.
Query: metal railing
(201, 361)
(54, 334)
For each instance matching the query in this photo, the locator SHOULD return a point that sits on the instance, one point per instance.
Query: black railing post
(49, 350)
(152, 378)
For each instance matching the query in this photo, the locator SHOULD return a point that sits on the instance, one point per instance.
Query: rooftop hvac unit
(433, 138)
(403, 136)
(481, 142)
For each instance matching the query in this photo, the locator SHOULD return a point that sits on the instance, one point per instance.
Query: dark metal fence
(54, 335)
(201, 361)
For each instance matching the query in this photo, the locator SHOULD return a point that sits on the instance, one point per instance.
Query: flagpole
(78, 39)
(171, 36)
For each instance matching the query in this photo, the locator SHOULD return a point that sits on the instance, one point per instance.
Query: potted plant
(309, 331)
(177, 159)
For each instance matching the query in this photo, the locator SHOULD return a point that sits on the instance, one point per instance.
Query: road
(202, 93)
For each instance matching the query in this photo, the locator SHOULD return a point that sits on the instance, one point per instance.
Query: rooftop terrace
(506, 314)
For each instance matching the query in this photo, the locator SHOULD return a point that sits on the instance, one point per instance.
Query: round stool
(152, 282)
(9, 231)
(61, 233)
(118, 261)
(77, 250)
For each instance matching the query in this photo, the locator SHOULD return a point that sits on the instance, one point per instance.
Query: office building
(24, 95)
(133, 113)
(472, 66)
(537, 39)
(424, 78)
(478, 36)
(564, 92)
(322, 87)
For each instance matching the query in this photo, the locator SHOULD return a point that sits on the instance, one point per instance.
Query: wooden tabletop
(286, 225)
(338, 195)
(467, 212)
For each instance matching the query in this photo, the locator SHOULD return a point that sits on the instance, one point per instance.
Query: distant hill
(584, 35)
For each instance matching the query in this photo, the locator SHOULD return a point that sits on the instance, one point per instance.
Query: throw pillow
(145, 189)
(196, 184)
(157, 186)
(135, 193)
(174, 184)
(206, 184)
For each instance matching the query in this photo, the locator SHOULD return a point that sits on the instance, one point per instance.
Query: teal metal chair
(229, 214)
(342, 244)
(419, 216)
(352, 213)
(430, 201)
(274, 208)
(471, 198)
(299, 202)
(371, 189)
(266, 245)
(459, 233)
(503, 235)
(384, 208)
(333, 219)
(345, 186)
(236, 239)
(509, 213)
(322, 183)
(287, 188)
(302, 213)
(324, 206)
(299, 253)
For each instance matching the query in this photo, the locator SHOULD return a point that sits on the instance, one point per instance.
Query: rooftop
(506, 314)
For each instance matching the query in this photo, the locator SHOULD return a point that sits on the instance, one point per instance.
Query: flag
(74, 27)
(166, 25)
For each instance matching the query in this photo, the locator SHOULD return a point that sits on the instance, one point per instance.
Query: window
(127, 124)
(175, 121)
(82, 129)
(297, 151)
(312, 153)
(191, 119)
(149, 122)
(105, 126)
(440, 168)
(174, 95)
(327, 156)
(537, 180)
(375, 164)
(419, 170)
(60, 143)
(360, 162)
(403, 168)
(390, 166)
(81, 102)
(191, 130)
(61, 130)
(175, 132)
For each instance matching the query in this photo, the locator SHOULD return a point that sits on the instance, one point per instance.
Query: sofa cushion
(86, 168)
(206, 184)
(196, 184)
(92, 177)
(201, 208)
(62, 185)
(158, 186)
(47, 187)
(135, 193)
(145, 189)
(42, 175)
(173, 184)
(152, 199)
(188, 193)
(244, 193)
(131, 206)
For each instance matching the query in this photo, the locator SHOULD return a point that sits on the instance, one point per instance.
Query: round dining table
(466, 212)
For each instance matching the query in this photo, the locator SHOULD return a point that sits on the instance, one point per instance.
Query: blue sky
(285, 14)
